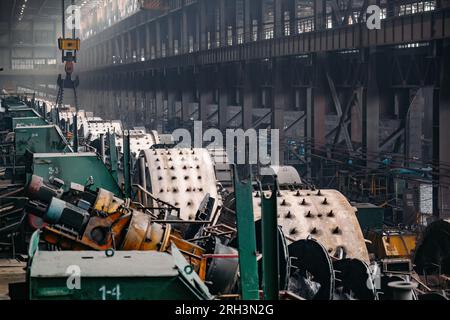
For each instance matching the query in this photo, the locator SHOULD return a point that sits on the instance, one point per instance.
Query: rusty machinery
(82, 219)
(320, 240)
(325, 243)
(185, 178)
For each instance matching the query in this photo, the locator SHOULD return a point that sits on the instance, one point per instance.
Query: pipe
(102, 148)
(142, 180)
(402, 290)
(113, 155)
(127, 163)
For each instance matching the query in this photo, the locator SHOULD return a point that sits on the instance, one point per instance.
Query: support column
(250, 96)
(117, 51)
(356, 117)
(309, 130)
(278, 18)
(187, 95)
(223, 102)
(138, 44)
(206, 96)
(442, 130)
(292, 17)
(158, 39)
(148, 46)
(184, 31)
(170, 46)
(197, 45)
(247, 21)
(320, 20)
(159, 100)
(203, 24)
(122, 49)
(281, 101)
(171, 96)
(110, 52)
(186, 99)
(129, 47)
(371, 114)
(223, 22)
(319, 105)
(414, 126)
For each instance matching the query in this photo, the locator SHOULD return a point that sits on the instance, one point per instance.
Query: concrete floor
(11, 271)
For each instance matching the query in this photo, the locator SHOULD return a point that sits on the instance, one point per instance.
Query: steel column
(371, 114)
(246, 237)
(444, 129)
(281, 101)
(269, 233)
(250, 95)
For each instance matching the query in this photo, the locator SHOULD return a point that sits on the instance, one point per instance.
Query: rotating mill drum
(323, 215)
(181, 177)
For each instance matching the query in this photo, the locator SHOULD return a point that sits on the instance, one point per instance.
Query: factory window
(255, 30)
(230, 35)
(191, 44)
(305, 25)
(22, 64)
(175, 47)
(268, 31)
(152, 53)
(163, 49)
(217, 39)
(287, 23)
(353, 18)
(240, 21)
(208, 40)
(329, 22)
(416, 7)
(240, 35)
(39, 63)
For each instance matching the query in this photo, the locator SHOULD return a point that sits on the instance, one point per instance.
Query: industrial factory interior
(239, 152)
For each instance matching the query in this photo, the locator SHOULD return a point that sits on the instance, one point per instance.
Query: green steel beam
(75, 132)
(83, 168)
(127, 163)
(113, 155)
(270, 245)
(246, 238)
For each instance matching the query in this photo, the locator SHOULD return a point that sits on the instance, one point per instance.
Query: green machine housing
(40, 139)
(20, 117)
(82, 168)
(370, 216)
(120, 275)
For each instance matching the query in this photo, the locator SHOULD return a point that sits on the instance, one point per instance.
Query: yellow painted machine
(392, 243)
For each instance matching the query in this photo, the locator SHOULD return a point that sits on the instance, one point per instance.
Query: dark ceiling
(10, 10)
